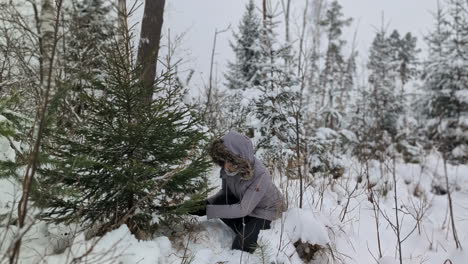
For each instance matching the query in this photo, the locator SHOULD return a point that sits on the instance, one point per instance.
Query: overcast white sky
(199, 19)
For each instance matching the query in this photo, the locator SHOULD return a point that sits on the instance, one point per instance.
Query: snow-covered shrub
(328, 148)
(408, 140)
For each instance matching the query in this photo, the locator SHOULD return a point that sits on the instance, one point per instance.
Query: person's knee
(246, 238)
(232, 223)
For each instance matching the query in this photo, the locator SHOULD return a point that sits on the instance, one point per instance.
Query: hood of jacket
(237, 149)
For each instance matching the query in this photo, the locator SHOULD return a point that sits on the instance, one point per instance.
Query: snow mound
(117, 246)
(277, 244)
(304, 225)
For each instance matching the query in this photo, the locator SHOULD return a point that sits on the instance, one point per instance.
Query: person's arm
(220, 193)
(251, 198)
(210, 200)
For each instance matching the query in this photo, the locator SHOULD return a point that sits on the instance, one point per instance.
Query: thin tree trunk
(452, 217)
(316, 15)
(49, 28)
(122, 35)
(122, 14)
(286, 9)
(148, 48)
(298, 153)
(377, 225)
(396, 209)
(300, 68)
(301, 74)
(210, 81)
(375, 207)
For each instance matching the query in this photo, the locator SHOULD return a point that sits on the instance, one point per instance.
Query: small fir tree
(379, 123)
(243, 73)
(277, 106)
(404, 65)
(122, 165)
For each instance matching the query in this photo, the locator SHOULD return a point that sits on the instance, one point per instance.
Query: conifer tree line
(307, 100)
(104, 139)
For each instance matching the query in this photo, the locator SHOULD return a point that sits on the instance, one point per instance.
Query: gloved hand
(202, 210)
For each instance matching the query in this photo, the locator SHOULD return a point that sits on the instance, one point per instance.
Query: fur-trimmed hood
(252, 186)
(237, 149)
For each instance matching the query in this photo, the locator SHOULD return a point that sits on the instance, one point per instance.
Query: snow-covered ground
(338, 216)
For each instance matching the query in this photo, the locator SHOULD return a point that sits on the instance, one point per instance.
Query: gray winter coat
(258, 196)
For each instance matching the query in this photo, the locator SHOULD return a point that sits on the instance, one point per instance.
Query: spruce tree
(382, 82)
(243, 73)
(445, 79)
(407, 58)
(90, 30)
(277, 107)
(446, 82)
(378, 128)
(88, 36)
(348, 87)
(335, 69)
(404, 63)
(334, 83)
(122, 164)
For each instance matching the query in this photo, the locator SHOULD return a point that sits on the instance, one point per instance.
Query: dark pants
(246, 228)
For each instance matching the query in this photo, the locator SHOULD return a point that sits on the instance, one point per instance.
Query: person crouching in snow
(248, 200)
